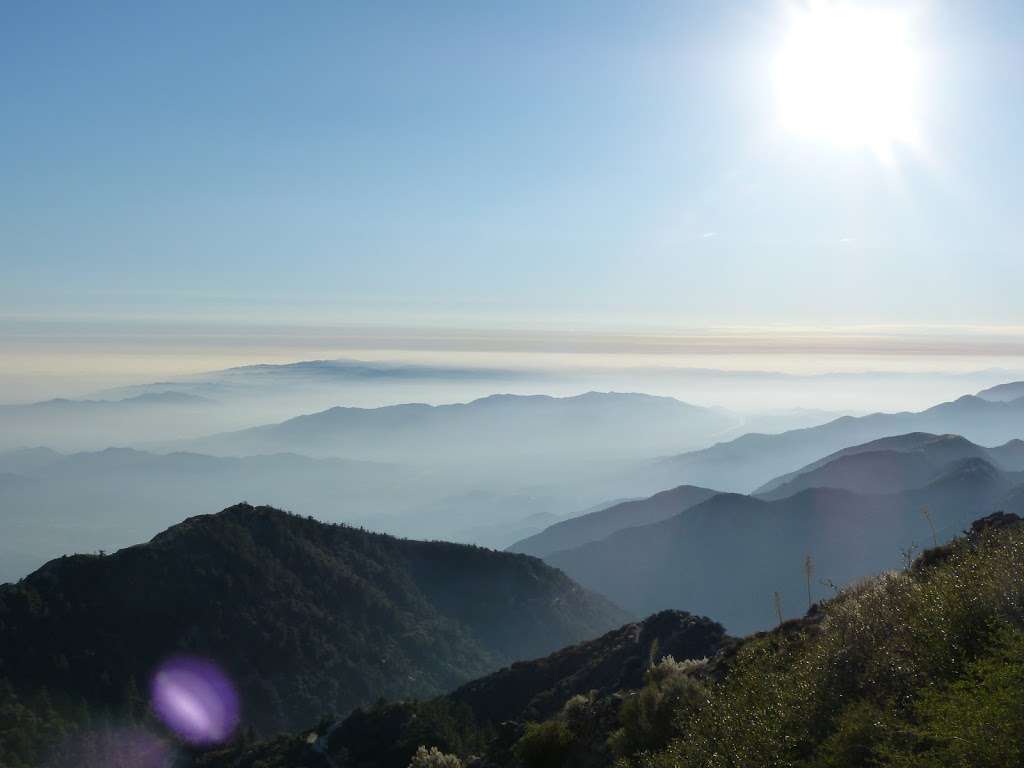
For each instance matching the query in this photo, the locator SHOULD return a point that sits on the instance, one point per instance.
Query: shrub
(434, 758)
(649, 717)
(544, 745)
(976, 720)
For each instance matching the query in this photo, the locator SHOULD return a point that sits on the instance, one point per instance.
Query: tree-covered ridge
(537, 689)
(489, 716)
(307, 618)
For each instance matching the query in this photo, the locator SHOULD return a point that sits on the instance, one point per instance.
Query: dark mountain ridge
(307, 618)
(535, 690)
(485, 713)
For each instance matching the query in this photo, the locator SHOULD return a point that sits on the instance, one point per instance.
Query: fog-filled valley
(99, 474)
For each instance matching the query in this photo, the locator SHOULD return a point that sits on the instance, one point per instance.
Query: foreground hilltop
(307, 618)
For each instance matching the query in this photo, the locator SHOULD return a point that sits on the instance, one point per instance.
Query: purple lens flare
(196, 700)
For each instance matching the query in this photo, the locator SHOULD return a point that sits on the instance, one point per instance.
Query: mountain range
(729, 554)
(599, 523)
(1013, 390)
(58, 503)
(750, 461)
(891, 464)
(591, 426)
(82, 424)
(260, 380)
(313, 621)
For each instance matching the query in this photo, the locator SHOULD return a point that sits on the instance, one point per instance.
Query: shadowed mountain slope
(728, 555)
(534, 690)
(307, 618)
(485, 714)
(596, 525)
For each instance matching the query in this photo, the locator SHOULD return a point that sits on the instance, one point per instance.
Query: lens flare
(196, 700)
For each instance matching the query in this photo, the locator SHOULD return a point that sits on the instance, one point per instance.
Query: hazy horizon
(742, 368)
(189, 190)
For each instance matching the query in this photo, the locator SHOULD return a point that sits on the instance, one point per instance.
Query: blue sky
(578, 164)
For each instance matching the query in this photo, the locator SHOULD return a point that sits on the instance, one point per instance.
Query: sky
(176, 172)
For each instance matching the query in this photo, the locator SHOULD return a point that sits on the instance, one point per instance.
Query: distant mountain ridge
(1003, 392)
(307, 618)
(145, 398)
(751, 461)
(596, 525)
(81, 423)
(891, 464)
(590, 425)
(727, 555)
(245, 380)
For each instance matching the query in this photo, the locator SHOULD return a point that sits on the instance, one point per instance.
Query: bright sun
(848, 74)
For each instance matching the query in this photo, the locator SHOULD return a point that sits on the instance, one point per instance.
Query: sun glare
(848, 74)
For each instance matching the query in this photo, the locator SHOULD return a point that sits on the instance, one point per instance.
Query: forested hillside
(306, 618)
(490, 715)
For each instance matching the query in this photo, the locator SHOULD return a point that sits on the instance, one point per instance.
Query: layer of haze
(747, 369)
